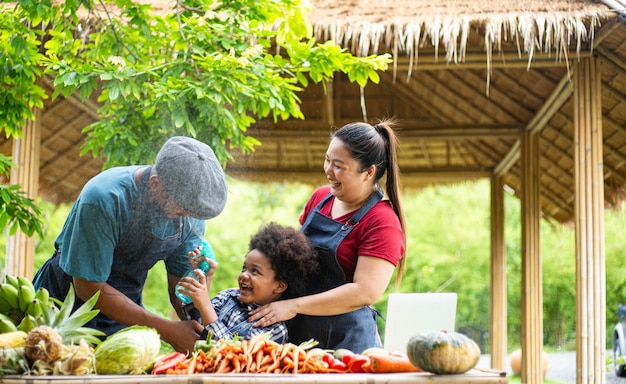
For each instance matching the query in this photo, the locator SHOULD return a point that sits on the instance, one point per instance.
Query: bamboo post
(498, 328)
(329, 104)
(20, 249)
(589, 224)
(532, 292)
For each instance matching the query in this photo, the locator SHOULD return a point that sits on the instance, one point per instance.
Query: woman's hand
(281, 310)
(371, 277)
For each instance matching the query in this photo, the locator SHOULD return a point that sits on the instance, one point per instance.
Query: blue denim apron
(133, 257)
(355, 330)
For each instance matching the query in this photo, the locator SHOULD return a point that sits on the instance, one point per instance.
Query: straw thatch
(403, 27)
(466, 78)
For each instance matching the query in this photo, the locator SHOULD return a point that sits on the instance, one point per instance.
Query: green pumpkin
(443, 352)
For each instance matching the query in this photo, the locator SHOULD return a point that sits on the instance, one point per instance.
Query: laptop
(410, 313)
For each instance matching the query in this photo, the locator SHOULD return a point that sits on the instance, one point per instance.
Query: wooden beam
(553, 104)
(589, 223)
(429, 62)
(611, 58)
(248, 172)
(20, 248)
(459, 133)
(555, 101)
(508, 160)
(498, 297)
(532, 292)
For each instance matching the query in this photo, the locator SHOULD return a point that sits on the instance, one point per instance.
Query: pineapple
(59, 328)
(44, 343)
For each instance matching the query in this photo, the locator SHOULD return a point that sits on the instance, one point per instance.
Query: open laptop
(409, 313)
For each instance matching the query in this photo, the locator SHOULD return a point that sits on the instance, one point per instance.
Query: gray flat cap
(192, 175)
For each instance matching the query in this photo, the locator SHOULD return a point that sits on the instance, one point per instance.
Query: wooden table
(474, 376)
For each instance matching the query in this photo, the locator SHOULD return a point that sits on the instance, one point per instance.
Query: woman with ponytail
(359, 232)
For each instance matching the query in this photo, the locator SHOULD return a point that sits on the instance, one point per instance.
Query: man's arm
(182, 335)
(171, 289)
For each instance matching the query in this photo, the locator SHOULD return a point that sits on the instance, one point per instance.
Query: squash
(516, 362)
(443, 352)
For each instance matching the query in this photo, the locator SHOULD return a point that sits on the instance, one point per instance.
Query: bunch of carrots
(261, 355)
(254, 355)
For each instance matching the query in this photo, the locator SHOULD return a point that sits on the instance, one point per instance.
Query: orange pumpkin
(516, 362)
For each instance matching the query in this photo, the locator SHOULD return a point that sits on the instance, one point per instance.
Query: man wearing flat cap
(124, 221)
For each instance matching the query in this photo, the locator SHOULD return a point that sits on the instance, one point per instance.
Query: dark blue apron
(133, 257)
(355, 330)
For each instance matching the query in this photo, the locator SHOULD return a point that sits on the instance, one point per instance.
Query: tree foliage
(204, 68)
(17, 211)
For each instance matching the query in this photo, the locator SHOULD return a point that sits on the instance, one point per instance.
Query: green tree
(206, 69)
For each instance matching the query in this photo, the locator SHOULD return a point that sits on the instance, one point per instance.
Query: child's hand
(198, 290)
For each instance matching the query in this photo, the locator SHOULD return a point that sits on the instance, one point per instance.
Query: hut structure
(530, 94)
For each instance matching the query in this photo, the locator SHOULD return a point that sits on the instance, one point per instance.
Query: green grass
(516, 379)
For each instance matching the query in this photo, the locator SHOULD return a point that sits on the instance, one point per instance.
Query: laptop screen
(410, 313)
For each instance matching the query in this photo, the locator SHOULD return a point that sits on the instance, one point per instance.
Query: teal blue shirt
(100, 218)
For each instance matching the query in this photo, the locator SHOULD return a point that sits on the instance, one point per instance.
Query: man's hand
(182, 335)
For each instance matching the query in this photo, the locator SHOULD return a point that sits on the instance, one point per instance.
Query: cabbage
(131, 350)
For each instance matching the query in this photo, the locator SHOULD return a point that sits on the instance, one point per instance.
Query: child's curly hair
(293, 257)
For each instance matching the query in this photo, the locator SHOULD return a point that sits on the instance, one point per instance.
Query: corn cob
(13, 339)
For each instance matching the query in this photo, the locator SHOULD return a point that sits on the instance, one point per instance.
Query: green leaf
(83, 314)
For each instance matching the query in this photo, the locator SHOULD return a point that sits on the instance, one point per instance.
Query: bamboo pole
(497, 327)
(589, 224)
(20, 249)
(329, 104)
(532, 294)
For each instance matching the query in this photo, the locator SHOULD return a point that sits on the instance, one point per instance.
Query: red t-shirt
(378, 234)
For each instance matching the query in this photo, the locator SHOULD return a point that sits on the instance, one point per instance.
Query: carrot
(223, 366)
(236, 365)
(218, 359)
(296, 356)
(288, 361)
(380, 363)
(274, 366)
(266, 359)
(259, 357)
(245, 345)
(257, 344)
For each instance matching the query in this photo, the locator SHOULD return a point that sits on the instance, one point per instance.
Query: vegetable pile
(40, 335)
(261, 355)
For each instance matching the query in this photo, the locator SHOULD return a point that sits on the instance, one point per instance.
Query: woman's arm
(371, 278)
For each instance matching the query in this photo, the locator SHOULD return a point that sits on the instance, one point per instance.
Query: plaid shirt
(232, 319)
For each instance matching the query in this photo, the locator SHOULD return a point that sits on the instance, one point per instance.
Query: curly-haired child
(280, 262)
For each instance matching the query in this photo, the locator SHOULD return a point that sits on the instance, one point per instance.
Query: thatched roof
(460, 118)
(403, 27)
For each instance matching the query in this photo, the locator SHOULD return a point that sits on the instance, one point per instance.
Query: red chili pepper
(163, 363)
(355, 365)
(346, 357)
(339, 365)
(328, 358)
